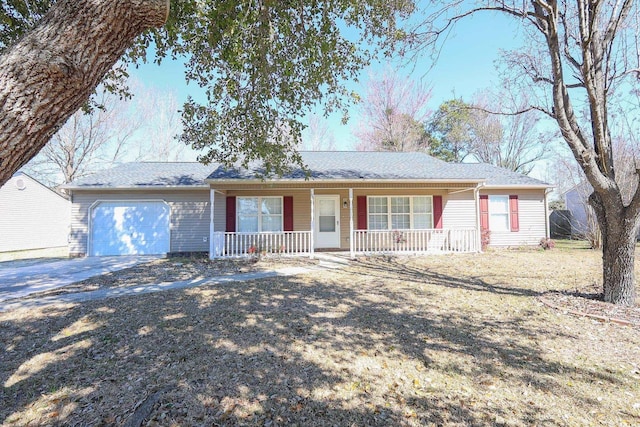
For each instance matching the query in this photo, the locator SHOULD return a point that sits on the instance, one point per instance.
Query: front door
(327, 222)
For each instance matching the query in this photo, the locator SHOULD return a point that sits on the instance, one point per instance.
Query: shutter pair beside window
(287, 210)
(514, 220)
(361, 207)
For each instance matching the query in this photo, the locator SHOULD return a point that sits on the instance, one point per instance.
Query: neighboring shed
(560, 224)
(34, 220)
(582, 216)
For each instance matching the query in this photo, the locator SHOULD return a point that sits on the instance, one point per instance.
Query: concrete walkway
(325, 262)
(21, 278)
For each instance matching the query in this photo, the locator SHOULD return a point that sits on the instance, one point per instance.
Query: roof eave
(516, 186)
(341, 181)
(139, 187)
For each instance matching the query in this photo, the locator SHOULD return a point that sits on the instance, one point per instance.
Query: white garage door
(130, 228)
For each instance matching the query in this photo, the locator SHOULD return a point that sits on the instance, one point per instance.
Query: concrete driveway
(21, 278)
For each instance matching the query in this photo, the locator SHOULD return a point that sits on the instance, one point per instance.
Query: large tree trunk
(619, 231)
(52, 71)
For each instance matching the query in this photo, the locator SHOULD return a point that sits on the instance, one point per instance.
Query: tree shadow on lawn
(318, 351)
(389, 268)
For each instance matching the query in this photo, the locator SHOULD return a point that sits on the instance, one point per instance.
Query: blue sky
(465, 66)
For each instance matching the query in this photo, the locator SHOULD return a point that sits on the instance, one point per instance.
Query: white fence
(434, 240)
(241, 244)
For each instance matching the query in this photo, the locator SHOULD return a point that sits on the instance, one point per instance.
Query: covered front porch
(357, 220)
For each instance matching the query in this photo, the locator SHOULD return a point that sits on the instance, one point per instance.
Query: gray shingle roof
(356, 165)
(495, 175)
(147, 174)
(336, 165)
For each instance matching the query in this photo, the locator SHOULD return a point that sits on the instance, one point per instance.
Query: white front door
(327, 222)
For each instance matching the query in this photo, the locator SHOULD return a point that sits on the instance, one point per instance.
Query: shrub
(485, 238)
(547, 243)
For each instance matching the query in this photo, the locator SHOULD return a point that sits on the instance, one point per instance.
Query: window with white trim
(400, 212)
(499, 213)
(259, 214)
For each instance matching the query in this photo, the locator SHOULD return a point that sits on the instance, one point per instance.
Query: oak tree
(262, 65)
(48, 72)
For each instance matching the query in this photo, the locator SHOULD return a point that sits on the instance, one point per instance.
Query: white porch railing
(434, 240)
(241, 244)
(365, 241)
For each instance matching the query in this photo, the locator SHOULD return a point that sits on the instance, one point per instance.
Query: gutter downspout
(313, 225)
(351, 248)
(212, 199)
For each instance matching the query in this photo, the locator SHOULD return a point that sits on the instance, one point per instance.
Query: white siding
(220, 212)
(190, 212)
(32, 218)
(532, 217)
(459, 210)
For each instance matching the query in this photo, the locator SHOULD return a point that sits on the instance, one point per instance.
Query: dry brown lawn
(434, 340)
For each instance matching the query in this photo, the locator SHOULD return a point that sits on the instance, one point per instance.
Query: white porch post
(476, 197)
(212, 198)
(351, 243)
(313, 223)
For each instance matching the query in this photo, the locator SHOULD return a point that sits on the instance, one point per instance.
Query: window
(499, 213)
(378, 213)
(258, 214)
(400, 212)
(326, 215)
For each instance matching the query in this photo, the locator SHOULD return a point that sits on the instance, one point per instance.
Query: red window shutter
(287, 208)
(231, 214)
(361, 205)
(513, 213)
(437, 211)
(484, 212)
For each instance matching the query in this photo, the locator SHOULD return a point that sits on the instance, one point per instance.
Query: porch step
(331, 261)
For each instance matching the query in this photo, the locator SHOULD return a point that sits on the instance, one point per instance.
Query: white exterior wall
(532, 217)
(34, 217)
(220, 212)
(189, 224)
(459, 210)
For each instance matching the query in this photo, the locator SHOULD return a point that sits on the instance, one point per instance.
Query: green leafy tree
(450, 130)
(262, 64)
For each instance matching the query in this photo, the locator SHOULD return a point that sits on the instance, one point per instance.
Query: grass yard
(438, 340)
